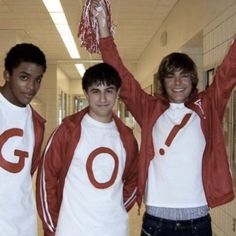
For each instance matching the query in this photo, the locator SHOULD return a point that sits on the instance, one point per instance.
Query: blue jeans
(154, 226)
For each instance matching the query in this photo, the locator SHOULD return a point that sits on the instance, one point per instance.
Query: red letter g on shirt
(9, 166)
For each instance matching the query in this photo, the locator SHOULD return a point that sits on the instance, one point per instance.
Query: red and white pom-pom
(88, 28)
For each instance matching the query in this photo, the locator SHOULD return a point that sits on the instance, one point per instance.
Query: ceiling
(136, 22)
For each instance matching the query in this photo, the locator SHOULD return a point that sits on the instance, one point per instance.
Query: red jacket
(39, 127)
(209, 105)
(57, 158)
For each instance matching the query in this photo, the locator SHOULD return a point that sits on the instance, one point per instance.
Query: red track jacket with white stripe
(59, 153)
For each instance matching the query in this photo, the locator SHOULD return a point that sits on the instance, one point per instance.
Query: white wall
(75, 87)
(48, 96)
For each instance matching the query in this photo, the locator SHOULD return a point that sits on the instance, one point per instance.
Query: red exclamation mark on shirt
(174, 131)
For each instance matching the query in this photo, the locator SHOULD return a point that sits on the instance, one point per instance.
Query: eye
(110, 90)
(38, 80)
(185, 76)
(94, 91)
(170, 76)
(23, 77)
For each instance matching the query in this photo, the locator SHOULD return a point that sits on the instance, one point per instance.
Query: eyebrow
(29, 74)
(106, 86)
(24, 72)
(111, 87)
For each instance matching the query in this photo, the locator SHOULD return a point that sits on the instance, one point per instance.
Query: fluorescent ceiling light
(53, 5)
(68, 39)
(58, 16)
(80, 68)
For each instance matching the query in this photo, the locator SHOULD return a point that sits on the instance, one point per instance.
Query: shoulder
(75, 118)
(36, 116)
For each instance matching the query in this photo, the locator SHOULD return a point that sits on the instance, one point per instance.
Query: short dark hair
(24, 52)
(177, 62)
(101, 73)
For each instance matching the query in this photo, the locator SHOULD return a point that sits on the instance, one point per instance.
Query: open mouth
(178, 90)
(103, 105)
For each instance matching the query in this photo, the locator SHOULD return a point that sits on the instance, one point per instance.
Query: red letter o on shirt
(89, 167)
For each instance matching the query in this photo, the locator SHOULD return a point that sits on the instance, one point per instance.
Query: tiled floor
(135, 220)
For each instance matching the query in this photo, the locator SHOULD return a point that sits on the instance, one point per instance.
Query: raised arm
(224, 80)
(131, 92)
(101, 15)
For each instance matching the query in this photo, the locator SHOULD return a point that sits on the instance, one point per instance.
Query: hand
(99, 10)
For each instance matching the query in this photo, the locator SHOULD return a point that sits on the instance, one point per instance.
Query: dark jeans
(154, 226)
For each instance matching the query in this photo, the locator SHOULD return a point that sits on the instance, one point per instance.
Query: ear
(118, 92)
(6, 75)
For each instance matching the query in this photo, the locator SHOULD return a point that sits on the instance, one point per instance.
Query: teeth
(178, 90)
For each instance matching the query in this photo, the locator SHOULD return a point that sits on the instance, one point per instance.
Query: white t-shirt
(17, 206)
(175, 173)
(93, 193)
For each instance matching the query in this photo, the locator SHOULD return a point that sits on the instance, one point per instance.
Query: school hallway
(145, 32)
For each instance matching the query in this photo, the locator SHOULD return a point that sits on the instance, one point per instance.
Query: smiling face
(22, 83)
(178, 77)
(178, 86)
(101, 99)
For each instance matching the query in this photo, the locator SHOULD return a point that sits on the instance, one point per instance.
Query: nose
(31, 85)
(177, 80)
(102, 97)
